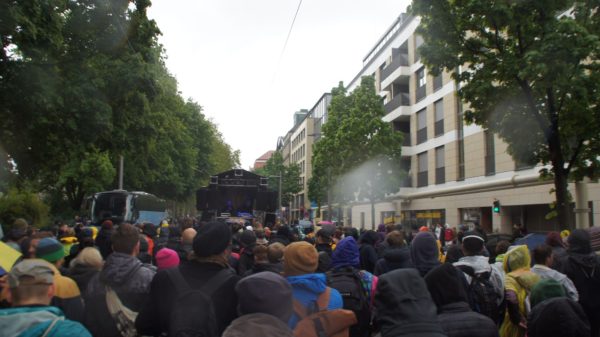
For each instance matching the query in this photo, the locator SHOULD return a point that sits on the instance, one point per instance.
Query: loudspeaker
(201, 199)
(212, 202)
(266, 201)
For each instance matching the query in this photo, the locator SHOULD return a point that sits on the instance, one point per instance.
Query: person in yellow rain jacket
(518, 282)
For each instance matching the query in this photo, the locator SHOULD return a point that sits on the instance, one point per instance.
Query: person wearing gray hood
(265, 305)
(404, 306)
(123, 273)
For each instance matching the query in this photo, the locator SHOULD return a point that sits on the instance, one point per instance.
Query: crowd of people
(188, 278)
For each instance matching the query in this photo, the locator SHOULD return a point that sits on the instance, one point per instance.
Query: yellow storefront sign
(429, 215)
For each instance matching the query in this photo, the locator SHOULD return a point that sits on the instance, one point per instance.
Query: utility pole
(121, 159)
(280, 180)
(328, 193)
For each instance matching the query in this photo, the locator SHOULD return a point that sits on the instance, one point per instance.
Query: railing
(439, 127)
(420, 93)
(397, 61)
(406, 140)
(406, 182)
(490, 165)
(422, 135)
(440, 175)
(402, 99)
(422, 179)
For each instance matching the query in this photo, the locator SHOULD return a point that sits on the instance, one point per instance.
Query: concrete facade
(475, 169)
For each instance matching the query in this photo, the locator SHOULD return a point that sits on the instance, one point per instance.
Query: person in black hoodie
(558, 317)
(396, 256)
(424, 252)
(582, 266)
(445, 284)
(404, 306)
(210, 259)
(283, 235)
(368, 253)
(248, 242)
(103, 241)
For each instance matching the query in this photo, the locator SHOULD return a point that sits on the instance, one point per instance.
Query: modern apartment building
(455, 171)
(296, 148)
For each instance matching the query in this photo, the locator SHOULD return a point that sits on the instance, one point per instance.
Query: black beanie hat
(211, 239)
(248, 238)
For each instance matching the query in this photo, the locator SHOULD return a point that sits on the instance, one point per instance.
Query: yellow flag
(8, 256)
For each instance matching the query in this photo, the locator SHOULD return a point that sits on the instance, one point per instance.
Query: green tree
(290, 177)
(359, 152)
(529, 72)
(22, 204)
(84, 82)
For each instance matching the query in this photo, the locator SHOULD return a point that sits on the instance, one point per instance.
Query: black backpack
(348, 283)
(481, 293)
(193, 313)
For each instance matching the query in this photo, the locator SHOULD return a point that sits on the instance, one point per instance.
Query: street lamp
(279, 189)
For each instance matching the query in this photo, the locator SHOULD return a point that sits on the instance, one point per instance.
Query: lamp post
(278, 189)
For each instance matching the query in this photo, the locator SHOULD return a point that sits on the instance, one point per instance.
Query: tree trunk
(560, 178)
(328, 205)
(372, 214)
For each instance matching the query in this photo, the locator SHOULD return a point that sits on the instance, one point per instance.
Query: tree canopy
(84, 82)
(358, 154)
(529, 72)
(290, 177)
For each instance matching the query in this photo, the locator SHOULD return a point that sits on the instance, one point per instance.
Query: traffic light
(496, 207)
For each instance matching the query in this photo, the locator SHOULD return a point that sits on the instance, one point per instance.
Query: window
(421, 126)
(421, 77)
(490, 162)
(437, 82)
(418, 42)
(439, 117)
(440, 166)
(422, 169)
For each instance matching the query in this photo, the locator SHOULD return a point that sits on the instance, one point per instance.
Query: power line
(286, 41)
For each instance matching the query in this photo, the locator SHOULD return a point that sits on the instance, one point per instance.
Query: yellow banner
(429, 215)
(8, 256)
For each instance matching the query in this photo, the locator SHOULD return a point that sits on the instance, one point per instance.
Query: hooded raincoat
(404, 306)
(582, 266)
(518, 284)
(307, 288)
(36, 320)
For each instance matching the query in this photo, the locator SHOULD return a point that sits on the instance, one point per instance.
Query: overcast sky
(227, 56)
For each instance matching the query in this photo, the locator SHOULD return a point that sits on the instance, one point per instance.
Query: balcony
(440, 175)
(400, 60)
(402, 99)
(422, 179)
